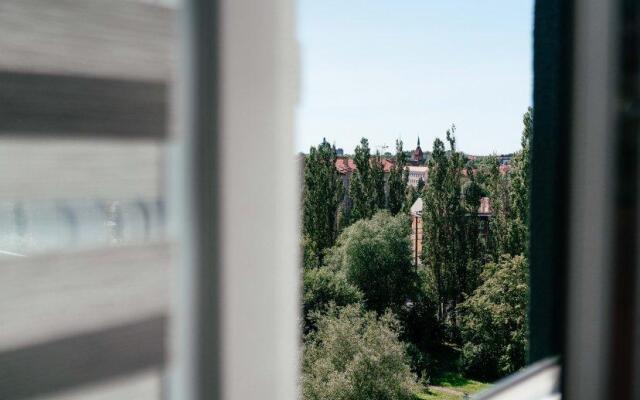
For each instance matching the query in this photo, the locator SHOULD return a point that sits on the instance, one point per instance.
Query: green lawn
(458, 382)
(451, 381)
(435, 394)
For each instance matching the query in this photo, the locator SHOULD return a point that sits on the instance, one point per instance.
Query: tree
(375, 256)
(475, 247)
(361, 190)
(494, 322)
(355, 355)
(322, 195)
(413, 193)
(420, 187)
(509, 194)
(377, 182)
(322, 289)
(398, 178)
(520, 178)
(499, 188)
(450, 228)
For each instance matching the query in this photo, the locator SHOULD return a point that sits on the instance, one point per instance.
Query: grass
(458, 382)
(451, 381)
(435, 394)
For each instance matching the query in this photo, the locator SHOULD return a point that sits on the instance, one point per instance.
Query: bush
(354, 355)
(322, 287)
(375, 255)
(494, 320)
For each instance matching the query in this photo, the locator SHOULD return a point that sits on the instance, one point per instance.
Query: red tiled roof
(387, 165)
(347, 165)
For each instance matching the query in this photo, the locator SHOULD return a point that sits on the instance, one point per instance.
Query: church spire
(418, 141)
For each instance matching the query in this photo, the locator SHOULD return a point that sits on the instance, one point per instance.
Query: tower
(417, 157)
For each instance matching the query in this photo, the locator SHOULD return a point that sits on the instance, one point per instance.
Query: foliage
(361, 189)
(509, 194)
(375, 256)
(494, 323)
(398, 178)
(450, 229)
(355, 355)
(309, 253)
(323, 193)
(421, 328)
(323, 288)
(520, 178)
(377, 182)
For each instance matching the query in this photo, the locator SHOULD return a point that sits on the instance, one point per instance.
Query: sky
(389, 69)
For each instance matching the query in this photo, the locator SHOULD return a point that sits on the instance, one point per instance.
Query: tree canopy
(494, 323)
(375, 256)
(322, 194)
(356, 355)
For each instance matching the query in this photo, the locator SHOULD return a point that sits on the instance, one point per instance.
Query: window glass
(414, 132)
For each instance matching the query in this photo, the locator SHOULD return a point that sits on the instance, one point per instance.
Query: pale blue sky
(385, 69)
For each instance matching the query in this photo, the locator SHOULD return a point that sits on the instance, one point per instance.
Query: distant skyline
(388, 69)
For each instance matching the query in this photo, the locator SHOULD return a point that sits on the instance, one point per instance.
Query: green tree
(520, 178)
(494, 322)
(475, 247)
(355, 355)
(398, 178)
(420, 187)
(377, 181)
(498, 186)
(322, 195)
(509, 194)
(450, 228)
(323, 288)
(375, 256)
(361, 190)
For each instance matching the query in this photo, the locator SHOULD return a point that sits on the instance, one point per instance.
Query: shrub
(494, 322)
(354, 355)
(322, 287)
(375, 255)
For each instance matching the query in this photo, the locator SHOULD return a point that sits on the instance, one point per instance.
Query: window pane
(414, 131)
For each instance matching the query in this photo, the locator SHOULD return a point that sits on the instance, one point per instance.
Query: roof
(346, 165)
(422, 169)
(387, 164)
(416, 208)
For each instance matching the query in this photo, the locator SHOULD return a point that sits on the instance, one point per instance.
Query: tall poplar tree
(450, 228)
(398, 178)
(509, 194)
(377, 182)
(322, 195)
(361, 189)
(520, 178)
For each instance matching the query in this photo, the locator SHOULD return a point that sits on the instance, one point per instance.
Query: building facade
(416, 174)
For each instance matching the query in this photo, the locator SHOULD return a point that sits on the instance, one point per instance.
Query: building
(417, 156)
(416, 173)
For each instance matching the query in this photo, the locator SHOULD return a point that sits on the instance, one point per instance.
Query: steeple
(418, 141)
